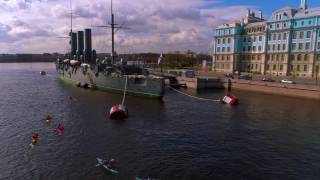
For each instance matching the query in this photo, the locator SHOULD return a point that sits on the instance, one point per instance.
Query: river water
(265, 137)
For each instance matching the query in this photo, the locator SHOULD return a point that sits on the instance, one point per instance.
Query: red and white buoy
(119, 111)
(230, 99)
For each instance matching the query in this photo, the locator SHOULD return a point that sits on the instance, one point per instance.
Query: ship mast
(71, 29)
(112, 33)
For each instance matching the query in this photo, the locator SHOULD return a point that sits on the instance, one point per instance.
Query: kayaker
(34, 138)
(47, 119)
(110, 163)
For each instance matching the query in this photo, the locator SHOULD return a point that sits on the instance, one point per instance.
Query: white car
(287, 81)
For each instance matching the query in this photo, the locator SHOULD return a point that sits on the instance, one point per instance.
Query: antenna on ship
(113, 27)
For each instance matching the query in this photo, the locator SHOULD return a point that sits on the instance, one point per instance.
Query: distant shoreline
(25, 58)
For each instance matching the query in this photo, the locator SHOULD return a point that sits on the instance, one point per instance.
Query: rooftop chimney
(303, 5)
(248, 12)
(260, 14)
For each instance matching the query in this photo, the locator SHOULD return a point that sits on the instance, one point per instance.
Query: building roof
(308, 13)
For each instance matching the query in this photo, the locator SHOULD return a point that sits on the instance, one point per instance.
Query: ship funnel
(87, 46)
(73, 44)
(80, 45)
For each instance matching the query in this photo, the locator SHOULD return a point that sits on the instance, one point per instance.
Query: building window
(300, 46)
(268, 67)
(281, 67)
(278, 25)
(229, 40)
(294, 46)
(223, 49)
(302, 23)
(218, 41)
(279, 36)
(306, 57)
(318, 45)
(253, 57)
(305, 68)
(307, 46)
(256, 66)
(299, 57)
(244, 39)
(249, 39)
(270, 26)
(318, 57)
(274, 67)
(310, 22)
(260, 38)
(228, 57)
(301, 34)
(273, 47)
(223, 41)
(294, 35)
(218, 49)
(282, 57)
(278, 47)
(222, 58)
(269, 37)
(254, 48)
(228, 49)
(259, 48)
(284, 47)
(284, 36)
(272, 57)
(274, 37)
(298, 67)
(244, 49)
(254, 39)
(308, 34)
(285, 25)
(249, 48)
(292, 57)
(259, 57)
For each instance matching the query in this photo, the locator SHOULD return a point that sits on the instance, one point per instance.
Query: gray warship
(80, 67)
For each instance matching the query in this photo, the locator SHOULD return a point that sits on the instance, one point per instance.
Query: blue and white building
(287, 44)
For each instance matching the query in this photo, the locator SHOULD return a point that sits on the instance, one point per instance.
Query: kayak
(101, 162)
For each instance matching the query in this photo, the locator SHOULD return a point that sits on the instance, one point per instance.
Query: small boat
(43, 73)
(229, 99)
(102, 162)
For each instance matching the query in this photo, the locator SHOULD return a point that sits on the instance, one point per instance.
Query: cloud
(157, 25)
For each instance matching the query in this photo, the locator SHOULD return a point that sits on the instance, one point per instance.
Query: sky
(37, 26)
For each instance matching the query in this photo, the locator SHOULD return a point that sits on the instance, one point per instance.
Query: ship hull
(137, 85)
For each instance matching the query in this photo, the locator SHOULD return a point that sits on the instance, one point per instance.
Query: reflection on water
(178, 138)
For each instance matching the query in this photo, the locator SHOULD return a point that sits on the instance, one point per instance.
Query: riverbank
(293, 90)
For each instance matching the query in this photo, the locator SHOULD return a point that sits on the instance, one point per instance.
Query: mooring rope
(125, 90)
(199, 98)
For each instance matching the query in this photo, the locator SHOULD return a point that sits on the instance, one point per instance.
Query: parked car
(267, 79)
(245, 77)
(229, 75)
(287, 81)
